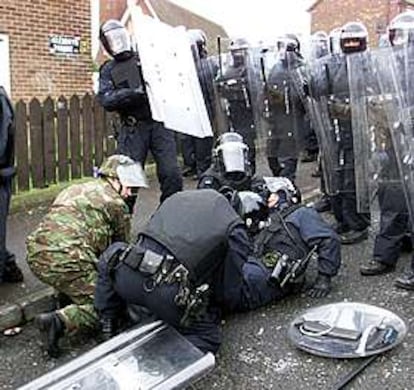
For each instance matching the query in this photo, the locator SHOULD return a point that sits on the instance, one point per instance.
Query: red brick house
(375, 14)
(45, 47)
(166, 12)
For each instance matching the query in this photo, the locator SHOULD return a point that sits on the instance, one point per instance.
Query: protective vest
(128, 74)
(280, 236)
(7, 135)
(194, 226)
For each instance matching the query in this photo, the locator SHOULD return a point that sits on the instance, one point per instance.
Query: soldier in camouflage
(82, 222)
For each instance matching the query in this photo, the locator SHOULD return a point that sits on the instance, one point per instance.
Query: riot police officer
(394, 221)
(122, 89)
(333, 86)
(9, 271)
(286, 118)
(230, 166)
(294, 235)
(183, 283)
(234, 90)
(197, 151)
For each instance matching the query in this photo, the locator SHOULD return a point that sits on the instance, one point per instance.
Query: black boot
(406, 280)
(375, 267)
(11, 273)
(51, 329)
(353, 236)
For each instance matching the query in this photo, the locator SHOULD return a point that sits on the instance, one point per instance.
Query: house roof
(175, 15)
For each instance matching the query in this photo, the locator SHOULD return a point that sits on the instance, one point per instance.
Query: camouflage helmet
(123, 168)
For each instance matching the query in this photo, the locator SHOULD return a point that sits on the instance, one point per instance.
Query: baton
(219, 54)
(351, 375)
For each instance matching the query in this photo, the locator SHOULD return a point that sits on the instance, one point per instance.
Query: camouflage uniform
(83, 221)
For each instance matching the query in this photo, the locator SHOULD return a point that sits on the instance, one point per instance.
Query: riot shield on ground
(152, 356)
(347, 330)
(400, 114)
(375, 162)
(170, 75)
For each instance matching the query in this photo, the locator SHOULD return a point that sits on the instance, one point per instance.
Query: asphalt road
(256, 353)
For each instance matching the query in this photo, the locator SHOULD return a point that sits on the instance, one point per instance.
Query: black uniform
(234, 89)
(295, 231)
(121, 89)
(7, 133)
(215, 251)
(334, 86)
(197, 151)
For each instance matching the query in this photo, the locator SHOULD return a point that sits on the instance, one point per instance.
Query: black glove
(321, 287)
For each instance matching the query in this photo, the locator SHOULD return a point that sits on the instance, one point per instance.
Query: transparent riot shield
(347, 330)
(318, 92)
(283, 113)
(400, 114)
(374, 156)
(170, 75)
(152, 356)
(237, 85)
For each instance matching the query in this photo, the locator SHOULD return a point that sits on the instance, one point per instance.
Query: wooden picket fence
(60, 140)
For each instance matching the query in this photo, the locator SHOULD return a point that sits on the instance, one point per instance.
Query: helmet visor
(233, 155)
(118, 41)
(398, 37)
(132, 175)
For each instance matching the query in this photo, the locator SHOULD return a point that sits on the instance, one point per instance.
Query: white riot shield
(170, 75)
(152, 356)
(374, 155)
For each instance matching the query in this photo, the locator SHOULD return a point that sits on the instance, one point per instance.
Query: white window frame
(5, 64)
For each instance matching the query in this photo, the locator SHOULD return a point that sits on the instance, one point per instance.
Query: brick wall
(375, 14)
(34, 70)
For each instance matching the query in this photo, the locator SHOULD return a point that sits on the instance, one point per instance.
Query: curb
(26, 308)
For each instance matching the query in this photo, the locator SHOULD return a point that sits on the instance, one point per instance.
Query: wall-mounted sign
(59, 44)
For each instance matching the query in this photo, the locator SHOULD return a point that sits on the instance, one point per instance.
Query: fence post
(36, 144)
(87, 135)
(99, 120)
(49, 139)
(75, 143)
(22, 150)
(62, 133)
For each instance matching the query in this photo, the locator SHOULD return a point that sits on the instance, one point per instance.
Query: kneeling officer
(191, 260)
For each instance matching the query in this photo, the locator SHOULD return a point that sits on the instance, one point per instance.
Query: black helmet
(319, 44)
(288, 42)
(252, 209)
(401, 29)
(353, 38)
(115, 38)
(198, 39)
